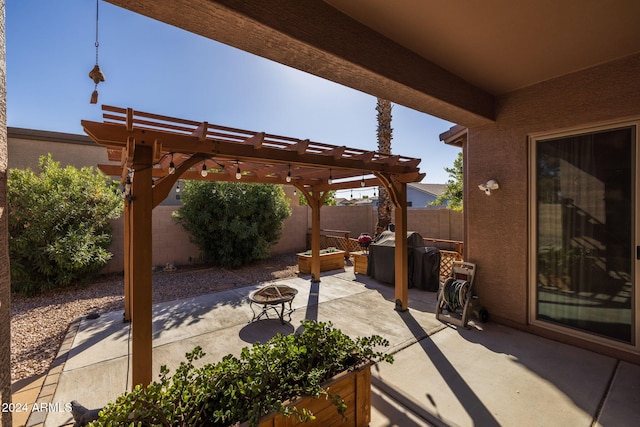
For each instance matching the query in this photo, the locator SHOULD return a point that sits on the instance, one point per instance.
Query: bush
(59, 229)
(249, 387)
(233, 223)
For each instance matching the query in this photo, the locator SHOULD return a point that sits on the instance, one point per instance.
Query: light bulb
(288, 179)
(238, 173)
(330, 180)
(204, 172)
(172, 168)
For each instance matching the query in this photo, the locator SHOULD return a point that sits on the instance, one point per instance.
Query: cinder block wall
(436, 223)
(171, 243)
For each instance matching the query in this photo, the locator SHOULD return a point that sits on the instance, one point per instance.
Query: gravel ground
(39, 324)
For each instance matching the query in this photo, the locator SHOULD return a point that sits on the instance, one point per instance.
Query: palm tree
(385, 131)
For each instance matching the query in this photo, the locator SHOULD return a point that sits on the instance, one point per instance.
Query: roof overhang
(449, 58)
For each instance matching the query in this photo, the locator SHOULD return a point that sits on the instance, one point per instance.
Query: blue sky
(154, 67)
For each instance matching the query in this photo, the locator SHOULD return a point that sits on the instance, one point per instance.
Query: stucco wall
(496, 226)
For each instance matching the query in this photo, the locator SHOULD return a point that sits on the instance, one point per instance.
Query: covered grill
(424, 262)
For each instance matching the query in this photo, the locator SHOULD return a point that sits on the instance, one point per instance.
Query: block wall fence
(171, 244)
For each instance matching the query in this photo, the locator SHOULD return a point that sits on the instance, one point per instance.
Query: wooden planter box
(328, 261)
(353, 387)
(360, 262)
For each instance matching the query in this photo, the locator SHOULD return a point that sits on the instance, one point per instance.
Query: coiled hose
(454, 293)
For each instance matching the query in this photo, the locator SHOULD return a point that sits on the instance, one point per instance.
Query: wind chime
(96, 74)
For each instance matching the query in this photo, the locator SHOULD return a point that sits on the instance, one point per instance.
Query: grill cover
(423, 262)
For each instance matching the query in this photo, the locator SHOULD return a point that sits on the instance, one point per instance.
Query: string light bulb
(172, 166)
(238, 172)
(288, 179)
(178, 187)
(330, 180)
(362, 182)
(204, 172)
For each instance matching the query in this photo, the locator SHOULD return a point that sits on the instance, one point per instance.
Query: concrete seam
(606, 394)
(37, 418)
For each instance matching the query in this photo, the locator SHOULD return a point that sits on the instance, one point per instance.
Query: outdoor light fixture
(204, 172)
(330, 180)
(178, 187)
(288, 179)
(127, 186)
(238, 172)
(490, 185)
(362, 182)
(295, 191)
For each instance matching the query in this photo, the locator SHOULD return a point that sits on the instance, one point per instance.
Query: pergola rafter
(152, 152)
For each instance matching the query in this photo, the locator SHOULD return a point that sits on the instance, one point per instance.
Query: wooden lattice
(446, 263)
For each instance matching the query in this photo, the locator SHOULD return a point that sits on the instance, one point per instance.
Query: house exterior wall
(497, 226)
(418, 198)
(26, 146)
(5, 278)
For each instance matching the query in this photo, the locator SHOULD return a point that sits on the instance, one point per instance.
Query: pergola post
(315, 199)
(127, 263)
(139, 238)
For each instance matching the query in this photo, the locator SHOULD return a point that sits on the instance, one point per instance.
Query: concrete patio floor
(487, 375)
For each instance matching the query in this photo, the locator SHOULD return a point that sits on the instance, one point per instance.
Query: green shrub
(59, 229)
(246, 388)
(233, 223)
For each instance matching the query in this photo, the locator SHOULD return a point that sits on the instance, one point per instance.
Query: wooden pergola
(155, 151)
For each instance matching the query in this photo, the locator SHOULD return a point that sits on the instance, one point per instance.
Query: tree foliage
(59, 229)
(233, 223)
(330, 200)
(454, 191)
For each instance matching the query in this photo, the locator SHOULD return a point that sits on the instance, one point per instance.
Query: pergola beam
(114, 135)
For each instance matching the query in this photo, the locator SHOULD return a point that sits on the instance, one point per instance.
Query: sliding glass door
(584, 232)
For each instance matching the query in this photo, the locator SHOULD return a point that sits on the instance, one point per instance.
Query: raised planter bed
(353, 387)
(328, 261)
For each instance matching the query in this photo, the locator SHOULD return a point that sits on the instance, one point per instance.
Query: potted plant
(266, 381)
(330, 259)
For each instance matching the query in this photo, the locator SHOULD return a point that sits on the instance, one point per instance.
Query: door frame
(634, 346)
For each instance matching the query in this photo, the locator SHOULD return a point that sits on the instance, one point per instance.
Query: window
(583, 232)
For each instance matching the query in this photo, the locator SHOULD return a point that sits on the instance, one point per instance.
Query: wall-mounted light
(489, 186)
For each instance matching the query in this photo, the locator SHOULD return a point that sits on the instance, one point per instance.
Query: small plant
(329, 250)
(248, 387)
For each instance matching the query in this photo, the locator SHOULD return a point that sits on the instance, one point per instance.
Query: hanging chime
(96, 74)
